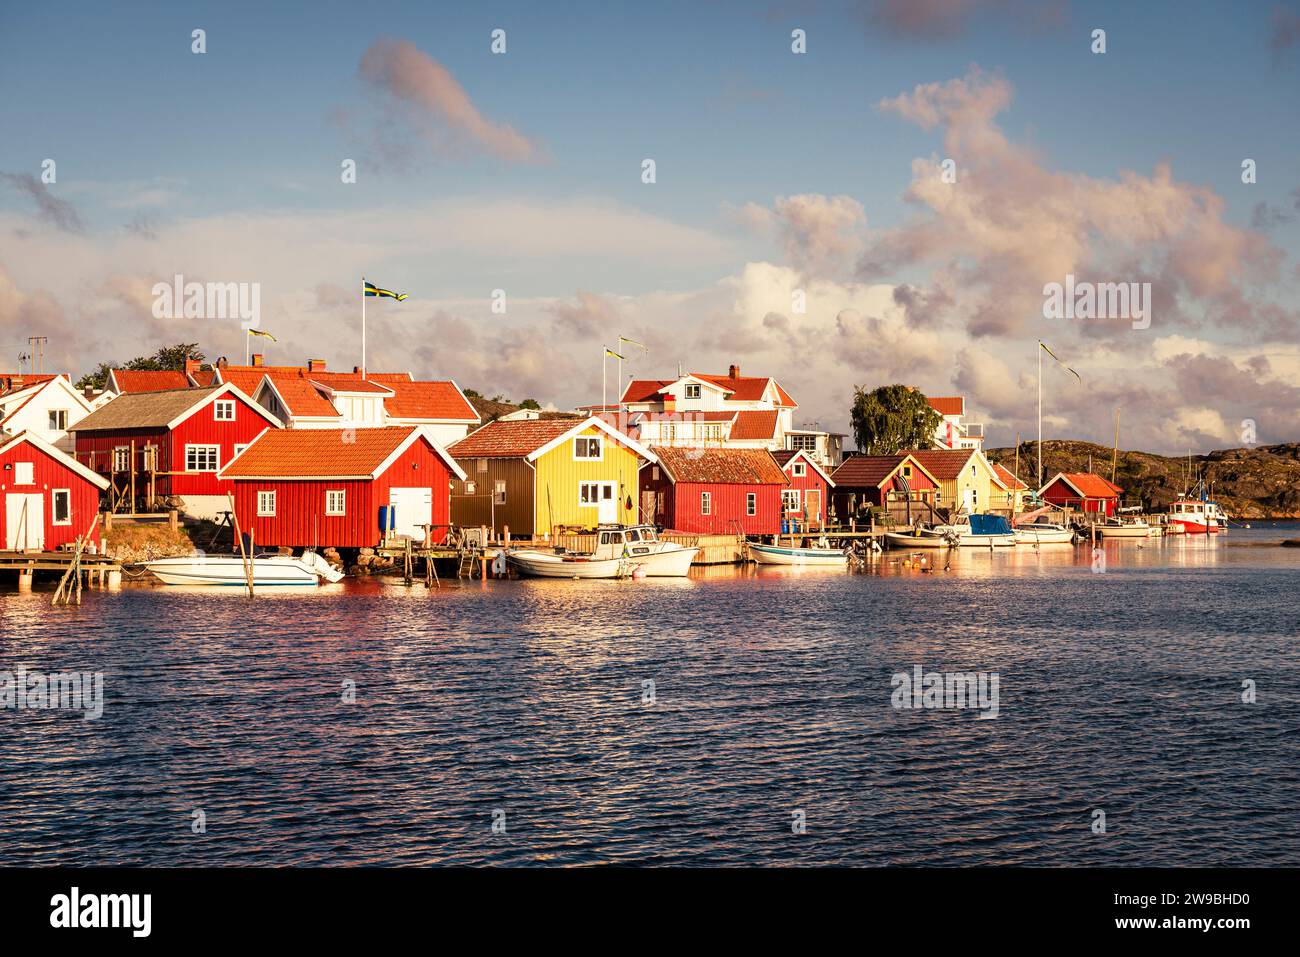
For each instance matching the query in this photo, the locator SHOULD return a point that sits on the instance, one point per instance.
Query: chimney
(733, 372)
(221, 363)
(315, 365)
(191, 366)
(356, 370)
(257, 359)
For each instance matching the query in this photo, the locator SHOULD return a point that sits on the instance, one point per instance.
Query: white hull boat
(1125, 530)
(781, 555)
(641, 546)
(227, 570)
(1043, 533)
(939, 536)
(540, 564)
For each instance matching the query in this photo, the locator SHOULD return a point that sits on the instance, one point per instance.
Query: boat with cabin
(641, 546)
(1197, 516)
(1124, 527)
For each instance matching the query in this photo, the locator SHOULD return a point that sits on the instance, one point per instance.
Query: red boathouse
(326, 487)
(168, 446)
(1082, 490)
(49, 499)
(714, 491)
(808, 495)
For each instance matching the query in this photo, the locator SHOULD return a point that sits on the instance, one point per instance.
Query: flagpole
(603, 367)
(246, 338)
(363, 328)
(1040, 413)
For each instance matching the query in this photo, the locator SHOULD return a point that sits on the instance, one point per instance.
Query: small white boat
(1129, 528)
(783, 555)
(268, 570)
(924, 536)
(1043, 533)
(641, 546)
(561, 564)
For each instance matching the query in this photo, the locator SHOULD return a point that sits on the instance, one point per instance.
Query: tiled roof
(204, 377)
(428, 400)
(1007, 477)
(644, 390)
(303, 398)
(943, 464)
(510, 439)
(333, 453)
(745, 388)
(143, 410)
(11, 382)
(720, 466)
(866, 471)
(754, 425)
(1092, 486)
(246, 379)
(357, 384)
(141, 380)
(947, 404)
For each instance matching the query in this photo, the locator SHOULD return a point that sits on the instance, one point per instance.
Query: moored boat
(641, 546)
(924, 536)
(225, 570)
(1197, 516)
(560, 564)
(790, 555)
(1043, 533)
(1124, 528)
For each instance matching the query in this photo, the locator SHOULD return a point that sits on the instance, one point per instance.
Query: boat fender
(499, 564)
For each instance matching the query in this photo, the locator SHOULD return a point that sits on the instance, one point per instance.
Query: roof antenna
(679, 368)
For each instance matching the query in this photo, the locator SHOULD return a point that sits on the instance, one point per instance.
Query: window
(654, 473)
(800, 469)
(24, 473)
(713, 431)
(591, 493)
(482, 465)
(907, 471)
(706, 503)
(266, 504)
(202, 458)
(223, 410)
(151, 458)
(336, 501)
(499, 492)
(241, 447)
(751, 503)
(59, 419)
(972, 471)
(692, 392)
(121, 458)
(789, 500)
(587, 447)
(62, 506)
(803, 443)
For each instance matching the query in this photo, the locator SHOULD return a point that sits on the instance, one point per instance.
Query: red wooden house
(168, 446)
(808, 495)
(714, 491)
(49, 499)
(328, 487)
(1083, 491)
(898, 483)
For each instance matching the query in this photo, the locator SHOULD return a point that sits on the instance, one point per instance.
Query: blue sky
(143, 128)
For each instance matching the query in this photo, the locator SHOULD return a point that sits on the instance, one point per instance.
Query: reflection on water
(677, 721)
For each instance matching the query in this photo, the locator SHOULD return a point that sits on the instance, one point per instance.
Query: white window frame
(150, 458)
(27, 469)
(692, 391)
(54, 509)
(58, 420)
(336, 501)
(216, 453)
(240, 447)
(589, 493)
(791, 495)
(582, 441)
(499, 492)
(122, 454)
(751, 503)
(706, 503)
(799, 469)
(223, 404)
(265, 496)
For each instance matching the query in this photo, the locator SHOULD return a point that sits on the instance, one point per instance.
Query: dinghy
(783, 555)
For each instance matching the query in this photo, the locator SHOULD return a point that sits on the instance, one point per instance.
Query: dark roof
(720, 466)
(143, 410)
(866, 471)
(517, 437)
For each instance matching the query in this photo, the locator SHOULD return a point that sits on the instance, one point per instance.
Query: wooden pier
(94, 569)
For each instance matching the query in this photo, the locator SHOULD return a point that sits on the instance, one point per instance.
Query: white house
(953, 431)
(45, 406)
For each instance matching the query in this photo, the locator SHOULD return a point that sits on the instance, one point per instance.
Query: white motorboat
(563, 564)
(640, 545)
(924, 536)
(1126, 528)
(783, 555)
(1043, 533)
(268, 570)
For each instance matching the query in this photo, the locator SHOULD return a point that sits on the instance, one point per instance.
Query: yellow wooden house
(537, 476)
(967, 480)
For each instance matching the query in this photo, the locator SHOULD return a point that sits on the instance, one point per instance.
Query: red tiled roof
(303, 398)
(1007, 477)
(746, 388)
(644, 390)
(143, 380)
(11, 382)
(301, 453)
(943, 464)
(511, 439)
(356, 384)
(754, 425)
(1092, 486)
(947, 404)
(720, 466)
(245, 379)
(204, 377)
(428, 400)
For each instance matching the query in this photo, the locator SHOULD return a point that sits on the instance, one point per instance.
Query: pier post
(115, 579)
(24, 580)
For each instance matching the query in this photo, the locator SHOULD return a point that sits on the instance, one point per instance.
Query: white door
(608, 511)
(968, 500)
(24, 522)
(413, 508)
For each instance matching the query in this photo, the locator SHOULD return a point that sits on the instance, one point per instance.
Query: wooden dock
(96, 569)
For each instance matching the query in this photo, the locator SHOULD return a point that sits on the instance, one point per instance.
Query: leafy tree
(891, 418)
(472, 393)
(166, 359)
(530, 404)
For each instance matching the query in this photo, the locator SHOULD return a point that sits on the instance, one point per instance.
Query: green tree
(166, 359)
(891, 418)
(530, 404)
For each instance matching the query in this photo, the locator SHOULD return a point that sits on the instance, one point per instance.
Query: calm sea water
(524, 702)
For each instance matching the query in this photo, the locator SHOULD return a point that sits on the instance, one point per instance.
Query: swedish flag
(373, 290)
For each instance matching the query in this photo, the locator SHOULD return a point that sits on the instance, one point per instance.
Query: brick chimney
(192, 366)
(221, 363)
(733, 372)
(315, 365)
